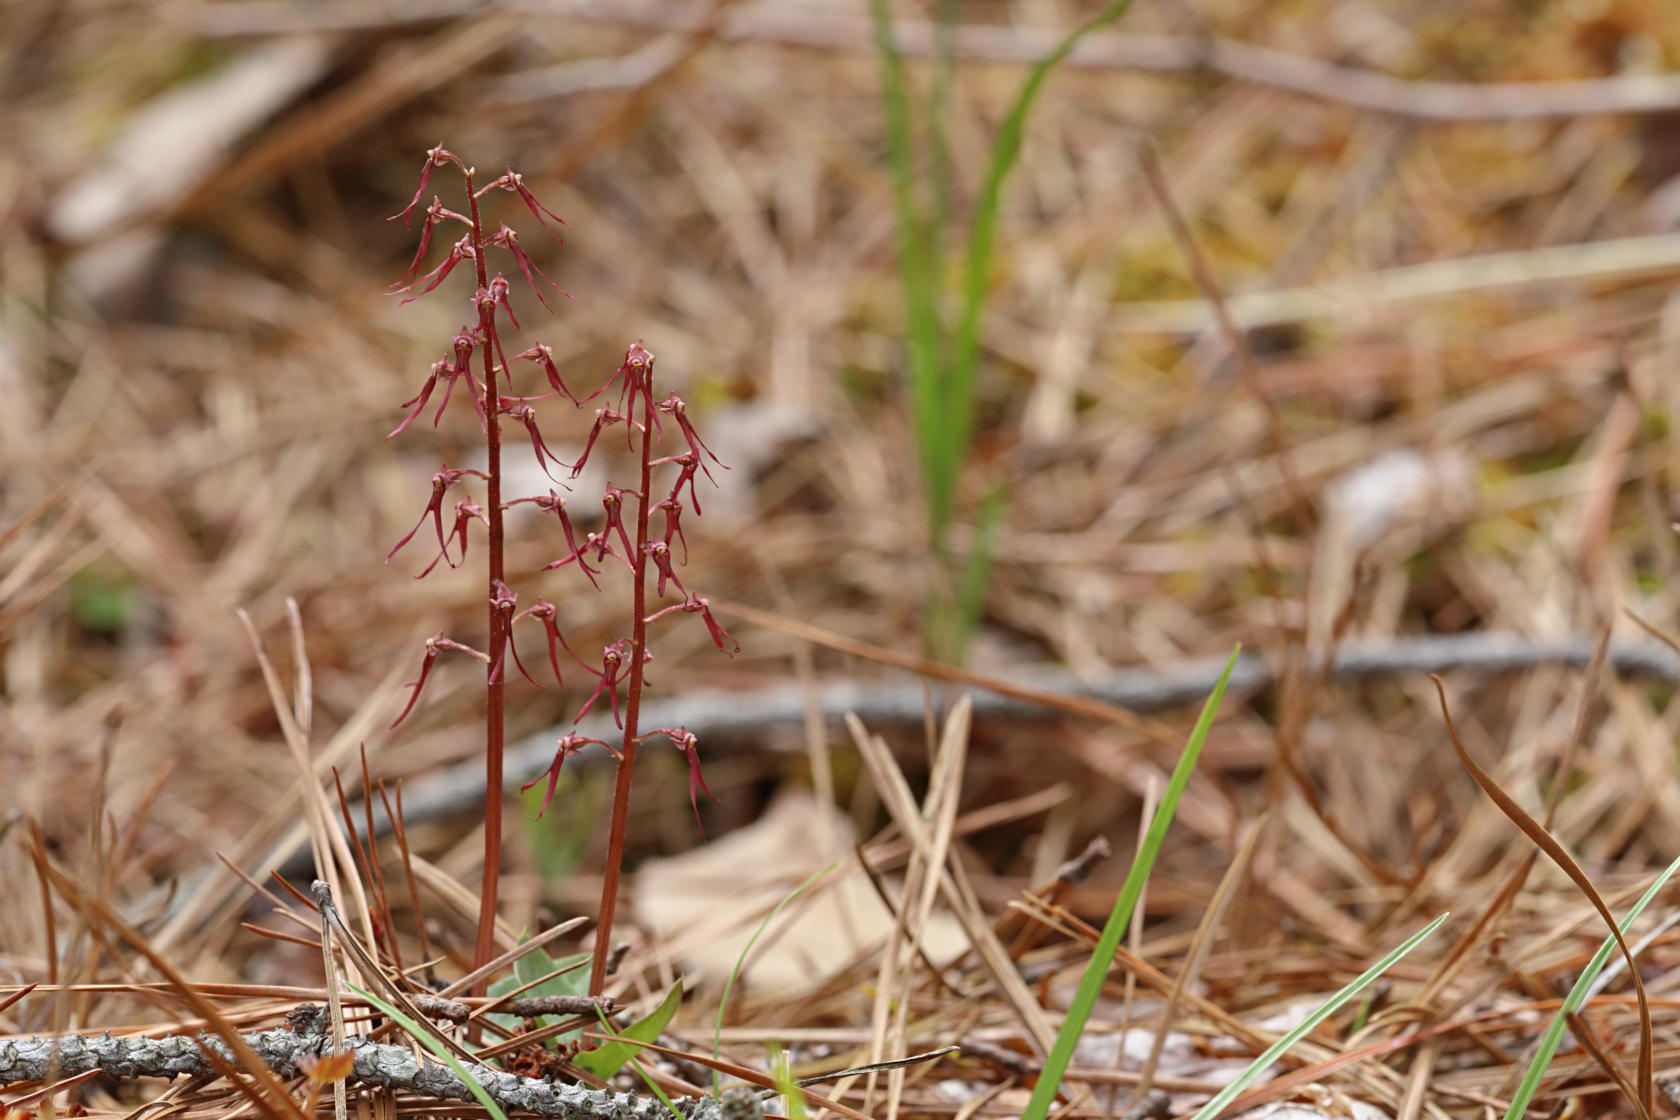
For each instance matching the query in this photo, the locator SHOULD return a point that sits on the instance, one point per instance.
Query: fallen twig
(721, 715)
(1360, 87)
(529, 1007)
(390, 1067)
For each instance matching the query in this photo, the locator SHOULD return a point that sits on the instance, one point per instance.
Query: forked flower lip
(684, 740)
(569, 745)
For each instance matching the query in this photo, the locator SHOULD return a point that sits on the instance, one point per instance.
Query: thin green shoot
(947, 22)
(781, 1072)
(428, 1038)
(1326, 1009)
(740, 961)
(1572, 1003)
(657, 1091)
(1090, 985)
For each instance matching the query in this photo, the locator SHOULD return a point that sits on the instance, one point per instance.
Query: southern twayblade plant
(478, 360)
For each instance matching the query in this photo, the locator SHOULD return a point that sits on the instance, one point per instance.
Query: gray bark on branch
(390, 1067)
(720, 713)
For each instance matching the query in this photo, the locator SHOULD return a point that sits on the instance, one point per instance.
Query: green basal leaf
(530, 967)
(608, 1058)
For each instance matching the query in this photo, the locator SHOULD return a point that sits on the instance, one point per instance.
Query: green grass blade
(945, 453)
(723, 1001)
(1255, 1068)
(947, 21)
(924, 326)
(1061, 1053)
(427, 1037)
(983, 229)
(1549, 1042)
(977, 573)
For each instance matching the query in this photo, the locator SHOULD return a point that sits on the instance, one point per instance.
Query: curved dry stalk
(1642, 1099)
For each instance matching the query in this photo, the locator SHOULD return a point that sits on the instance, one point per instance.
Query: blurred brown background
(1460, 416)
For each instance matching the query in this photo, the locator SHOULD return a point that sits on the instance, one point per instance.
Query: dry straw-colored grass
(1459, 416)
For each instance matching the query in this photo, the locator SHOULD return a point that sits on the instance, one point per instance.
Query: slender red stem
(494, 680)
(632, 700)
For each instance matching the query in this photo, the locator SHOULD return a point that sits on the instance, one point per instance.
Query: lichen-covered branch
(391, 1067)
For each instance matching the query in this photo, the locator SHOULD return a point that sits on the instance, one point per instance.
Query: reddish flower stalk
(484, 947)
(633, 695)
(487, 403)
(624, 662)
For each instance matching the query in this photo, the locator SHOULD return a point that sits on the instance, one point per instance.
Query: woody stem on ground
(633, 696)
(494, 688)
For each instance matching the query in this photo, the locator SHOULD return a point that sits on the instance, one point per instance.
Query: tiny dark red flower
(637, 371)
(569, 745)
(419, 399)
(614, 661)
(434, 645)
(462, 250)
(612, 500)
(696, 604)
(544, 356)
(604, 418)
(435, 213)
(688, 463)
(674, 405)
(527, 416)
(556, 505)
(544, 611)
(504, 600)
(660, 553)
(437, 157)
(683, 739)
(515, 182)
(672, 509)
(509, 240)
(441, 481)
(465, 510)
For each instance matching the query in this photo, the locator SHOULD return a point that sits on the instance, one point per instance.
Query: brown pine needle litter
(1343, 331)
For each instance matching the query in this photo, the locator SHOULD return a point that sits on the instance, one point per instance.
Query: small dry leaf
(325, 1071)
(708, 902)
